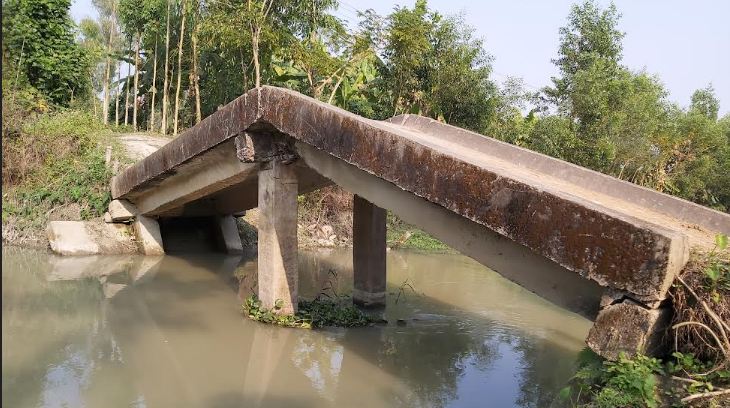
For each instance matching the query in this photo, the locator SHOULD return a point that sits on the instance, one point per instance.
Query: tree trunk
(244, 71)
(105, 108)
(179, 70)
(126, 91)
(194, 73)
(136, 82)
(165, 98)
(116, 95)
(255, 48)
(154, 90)
(107, 76)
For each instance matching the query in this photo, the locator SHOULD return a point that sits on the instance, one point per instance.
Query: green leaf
(721, 241)
(713, 272)
(564, 393)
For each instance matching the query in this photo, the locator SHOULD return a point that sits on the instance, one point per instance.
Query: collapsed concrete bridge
(596, 245)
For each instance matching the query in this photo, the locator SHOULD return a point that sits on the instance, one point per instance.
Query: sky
(685, 43)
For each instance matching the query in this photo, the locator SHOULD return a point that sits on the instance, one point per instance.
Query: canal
(132, 332)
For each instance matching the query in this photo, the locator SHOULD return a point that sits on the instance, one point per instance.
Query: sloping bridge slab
(481, 196)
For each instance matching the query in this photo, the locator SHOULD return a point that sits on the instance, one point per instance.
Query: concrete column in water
(368, 250)
(278, 278)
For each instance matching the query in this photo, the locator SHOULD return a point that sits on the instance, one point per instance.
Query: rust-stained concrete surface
(630, 328)
(617, 234)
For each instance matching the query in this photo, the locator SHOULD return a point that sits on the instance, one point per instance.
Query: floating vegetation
(312, 313)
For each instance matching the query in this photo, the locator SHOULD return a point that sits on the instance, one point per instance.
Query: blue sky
(686, 43)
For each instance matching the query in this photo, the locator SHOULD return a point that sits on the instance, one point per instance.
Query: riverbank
(695, 370)
(57, 166)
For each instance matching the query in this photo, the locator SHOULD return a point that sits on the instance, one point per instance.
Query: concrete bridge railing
(588, 242)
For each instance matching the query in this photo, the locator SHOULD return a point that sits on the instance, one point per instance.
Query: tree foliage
(598, 112)
(619, 122)
(435, 67)
(38, 35)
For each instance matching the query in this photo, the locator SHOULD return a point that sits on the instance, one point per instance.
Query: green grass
(397, 231)
(55, 160)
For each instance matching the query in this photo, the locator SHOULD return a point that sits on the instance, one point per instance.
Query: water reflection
(149, 332)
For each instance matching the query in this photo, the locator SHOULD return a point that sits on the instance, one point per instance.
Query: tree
(126, 87)
(258, 13)
(194, 74)
(692, 166)
(179, 67)
(116, 94)
(435, 67)
(139, 18)
(315, 40)
(40, 34)
(618, 122)
(617, 116)
(507, 123)
(165, 98)
(92, 41)
(705, 102)
(590, 35)
(151, 126)
(107, 10)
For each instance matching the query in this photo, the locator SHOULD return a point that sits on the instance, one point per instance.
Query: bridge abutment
(278, 277)
(227, 232)
(368, 253)
(149, 236)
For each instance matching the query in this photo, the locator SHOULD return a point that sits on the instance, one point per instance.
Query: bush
(628, 382)
(701, 295)
(54, 160)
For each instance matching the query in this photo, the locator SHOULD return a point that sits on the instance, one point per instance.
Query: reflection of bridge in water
(180, 339)
(585, 241)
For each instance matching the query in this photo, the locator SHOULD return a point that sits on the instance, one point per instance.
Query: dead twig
(710, 394)
(401, 290)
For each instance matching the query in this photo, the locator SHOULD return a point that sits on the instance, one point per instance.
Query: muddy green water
(129, 332)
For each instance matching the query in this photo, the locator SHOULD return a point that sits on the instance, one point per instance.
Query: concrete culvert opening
(191, 235)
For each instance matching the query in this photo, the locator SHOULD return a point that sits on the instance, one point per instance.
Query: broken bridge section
(583, 240)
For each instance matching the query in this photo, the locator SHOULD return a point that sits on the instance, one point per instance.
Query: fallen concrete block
(630, 328)
(89, 238)
(121, 210)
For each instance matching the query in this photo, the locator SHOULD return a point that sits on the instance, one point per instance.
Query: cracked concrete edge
(630, 328)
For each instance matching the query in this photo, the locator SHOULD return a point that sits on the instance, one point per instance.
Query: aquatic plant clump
(312, 314)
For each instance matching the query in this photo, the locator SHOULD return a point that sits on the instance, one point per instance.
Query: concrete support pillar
(278, 277)
(368, 250)
(148, 234)
(227, 230)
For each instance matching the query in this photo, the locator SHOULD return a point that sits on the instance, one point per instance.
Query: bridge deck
(698, 223)
(611, 231)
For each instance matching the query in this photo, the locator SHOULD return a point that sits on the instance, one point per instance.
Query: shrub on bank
(697, 373)
(54, 165)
